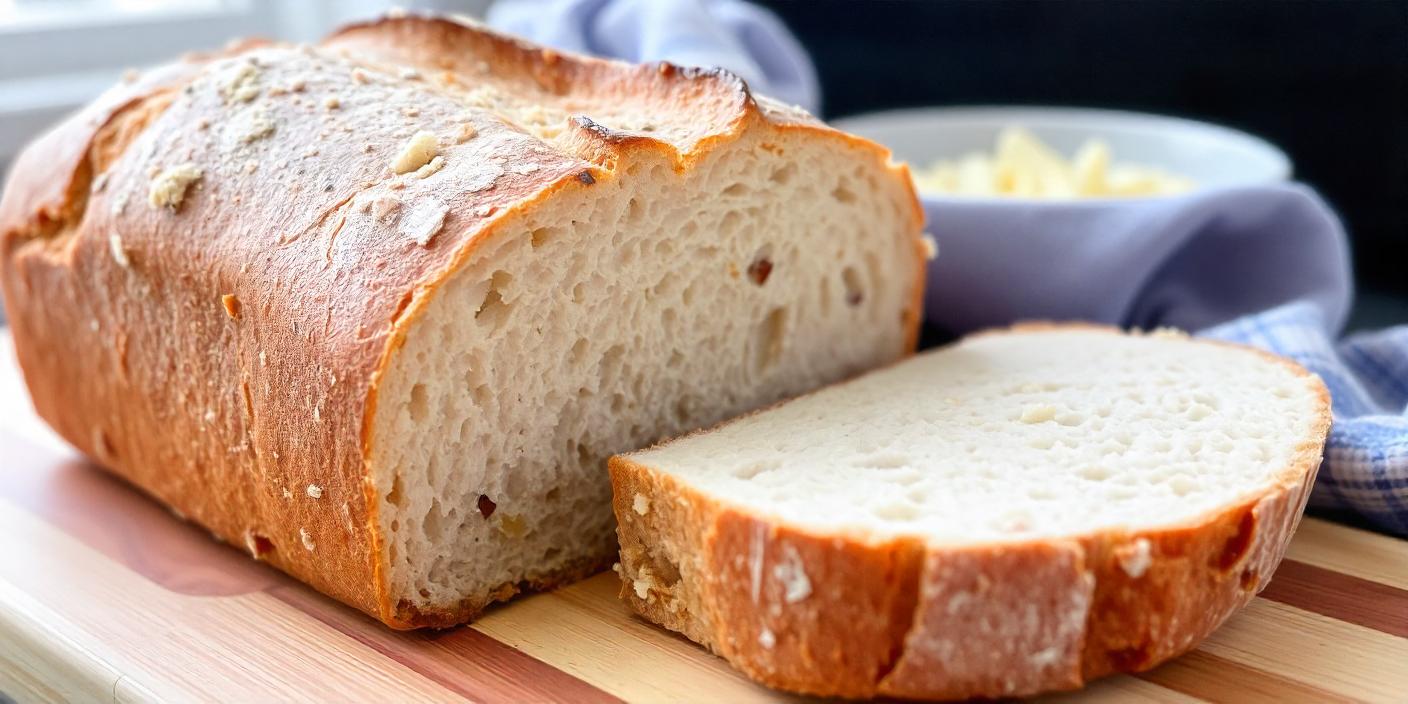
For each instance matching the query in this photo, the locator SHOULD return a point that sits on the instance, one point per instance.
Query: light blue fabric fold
(1266, 266)
(738, 36)
(1189, 261)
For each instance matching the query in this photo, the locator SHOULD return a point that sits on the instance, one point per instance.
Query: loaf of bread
(1015, 514)
(379, 309)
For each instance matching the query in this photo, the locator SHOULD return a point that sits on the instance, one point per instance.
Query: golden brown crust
(891, 617)
(230, 341)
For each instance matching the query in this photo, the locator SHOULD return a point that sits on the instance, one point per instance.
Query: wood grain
(1341, 596)
(463, 660)
(1208, 677)
(105, 596)
(1359, 553)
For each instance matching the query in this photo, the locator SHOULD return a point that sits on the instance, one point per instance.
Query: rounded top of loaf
(595, 110)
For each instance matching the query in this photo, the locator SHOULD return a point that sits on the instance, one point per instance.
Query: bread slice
(1018, 513)
(379, 309)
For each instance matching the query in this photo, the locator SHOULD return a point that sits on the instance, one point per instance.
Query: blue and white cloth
(1266, 266)
(1366, 458)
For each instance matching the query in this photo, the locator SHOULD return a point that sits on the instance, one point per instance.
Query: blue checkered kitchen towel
(1366, 458)
(1271, 260)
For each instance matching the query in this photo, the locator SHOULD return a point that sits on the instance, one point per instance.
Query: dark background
(1327, 81)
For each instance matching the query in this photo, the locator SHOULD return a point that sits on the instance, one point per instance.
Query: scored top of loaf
(283, 214)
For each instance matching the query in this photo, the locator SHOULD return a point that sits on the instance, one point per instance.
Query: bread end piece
(857, 616)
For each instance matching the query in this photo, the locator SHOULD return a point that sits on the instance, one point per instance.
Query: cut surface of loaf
(1017, 513)
(379, 309)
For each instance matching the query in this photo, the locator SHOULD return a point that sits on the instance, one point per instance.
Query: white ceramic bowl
(1210, 155)
(1010, 258)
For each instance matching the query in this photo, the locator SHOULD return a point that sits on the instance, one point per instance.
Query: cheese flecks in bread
(241, 82)
(515, 266)
(168, 189)
(417, 152)
(1021, 512)
(431, 167)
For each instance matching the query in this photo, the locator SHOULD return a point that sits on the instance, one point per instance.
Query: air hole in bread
(610, 366)
(1094, 472)
(434, 524)
(770, 340)
(542, 236)
(737, 189)
(419, 406)
(843, 194)
(482, 395)
(1182, 484)
(907, 478)
(486, 506)
(1249, 579)
(783, 175)
(494, 310)
(397, 495)
(752, 470)
(854, 292)
(761, 267)
(730, 223)
(683, 412)
(579, 351)
(1236, 546)
(259, 545)
(667, 573)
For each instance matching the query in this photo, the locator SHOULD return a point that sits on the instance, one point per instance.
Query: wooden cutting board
(105, 595)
